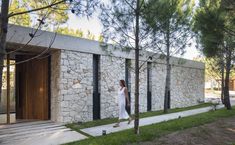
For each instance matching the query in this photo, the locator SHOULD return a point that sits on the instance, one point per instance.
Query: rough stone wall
(112, 69)
(142, 87)
(186, 86)
(158, 85)
(75, 87)
(72, 86)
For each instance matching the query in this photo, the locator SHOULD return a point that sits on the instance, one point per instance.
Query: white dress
(122, 103)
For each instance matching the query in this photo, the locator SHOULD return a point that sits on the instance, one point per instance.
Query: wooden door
(32, 89)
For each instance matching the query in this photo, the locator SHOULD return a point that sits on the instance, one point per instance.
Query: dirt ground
(221, 132)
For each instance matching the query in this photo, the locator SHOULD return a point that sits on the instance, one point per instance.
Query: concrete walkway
(37, 133)
(97, 131)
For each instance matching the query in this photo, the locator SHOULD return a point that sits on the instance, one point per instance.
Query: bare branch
(31, 38)
(40, 54)
(142, 3)
(37, 9)
(120, 29)
(33, 35)
(130, 5)
(229, 31)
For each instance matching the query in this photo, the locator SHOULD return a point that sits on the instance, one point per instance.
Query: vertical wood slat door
(32, 89)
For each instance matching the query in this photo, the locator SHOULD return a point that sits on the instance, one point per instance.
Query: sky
(95, 27)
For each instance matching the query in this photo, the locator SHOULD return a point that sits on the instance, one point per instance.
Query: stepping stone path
(37, 133)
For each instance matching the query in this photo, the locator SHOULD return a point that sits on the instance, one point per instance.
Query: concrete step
(21, 138)
(37, 133)
(56, 138)
(43, 130)
(28, 128)
(23, 124)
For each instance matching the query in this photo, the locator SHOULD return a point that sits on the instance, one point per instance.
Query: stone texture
(158, 85)
(73, 101)
(142, 87)
(112, 69)
(187, 86)
(72, 85)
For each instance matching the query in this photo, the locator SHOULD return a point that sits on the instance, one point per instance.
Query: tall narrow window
(96, 90)
(128, 81)
(149, 86)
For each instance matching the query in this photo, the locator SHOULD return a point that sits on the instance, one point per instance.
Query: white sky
(95, 27)
(93, 24)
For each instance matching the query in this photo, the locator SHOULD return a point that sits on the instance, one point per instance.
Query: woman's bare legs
(129, 120)
(118, 122)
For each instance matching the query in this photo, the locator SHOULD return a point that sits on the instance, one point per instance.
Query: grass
(77, 127)
(151, 132)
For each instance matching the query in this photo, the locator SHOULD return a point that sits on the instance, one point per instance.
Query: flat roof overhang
(18, 35)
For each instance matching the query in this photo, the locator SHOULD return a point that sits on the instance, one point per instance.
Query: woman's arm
(126, 94)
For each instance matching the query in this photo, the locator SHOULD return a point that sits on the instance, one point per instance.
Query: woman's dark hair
(123, 83)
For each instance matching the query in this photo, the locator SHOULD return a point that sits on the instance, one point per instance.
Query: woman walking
(123, 97)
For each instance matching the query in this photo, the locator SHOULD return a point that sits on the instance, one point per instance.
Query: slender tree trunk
(3, 35)
(222, 81)
(167, 85)
(137, 69)
(226, 86)
(169, 92)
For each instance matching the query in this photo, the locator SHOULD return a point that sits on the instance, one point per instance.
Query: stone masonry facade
(72, 86)
(80, 68)
(142, 88)
(112, 69)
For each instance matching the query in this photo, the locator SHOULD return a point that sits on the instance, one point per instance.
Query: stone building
(77, 80)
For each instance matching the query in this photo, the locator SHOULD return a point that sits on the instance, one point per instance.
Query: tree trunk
(137, 70)
(226, 86)
(3, 35)
(169, 92)
(167, 87)
(168, 70)
(222, 81)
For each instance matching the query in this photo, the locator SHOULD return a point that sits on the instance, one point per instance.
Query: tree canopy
(54, 16)
(169, 20)
(169, 23)
(24, 20)
(209, 24)
(214, 26)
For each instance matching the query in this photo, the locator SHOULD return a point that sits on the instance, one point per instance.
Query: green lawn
(150, 132)
(142, 115)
